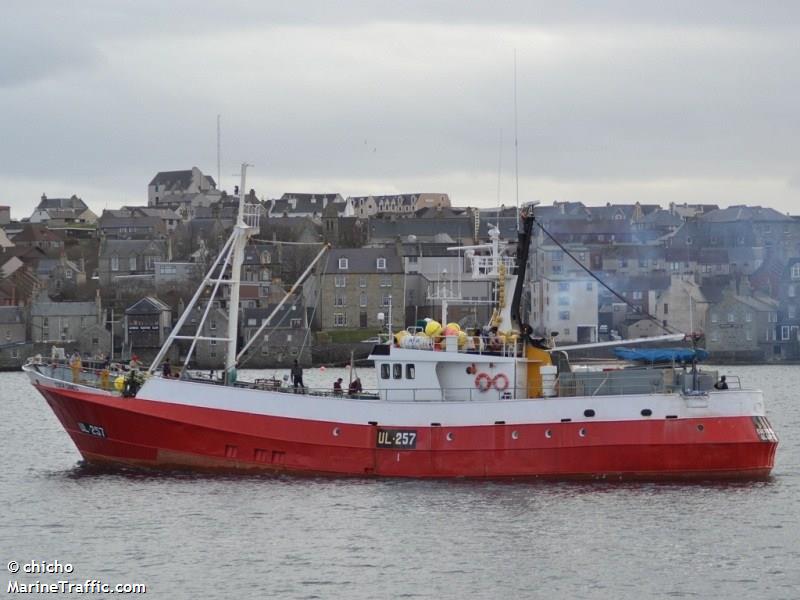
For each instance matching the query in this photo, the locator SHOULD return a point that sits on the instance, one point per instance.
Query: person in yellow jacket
(75, 365)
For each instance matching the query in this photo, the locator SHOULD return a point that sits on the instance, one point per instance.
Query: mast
(242, 233)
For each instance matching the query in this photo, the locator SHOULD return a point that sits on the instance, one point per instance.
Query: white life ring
(500, 382)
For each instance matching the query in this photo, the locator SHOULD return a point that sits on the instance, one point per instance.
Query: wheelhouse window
(384, 371)
(397, 371)
(411, 372)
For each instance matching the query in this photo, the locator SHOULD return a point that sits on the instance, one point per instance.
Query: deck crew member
(355, 386)
(297, 376)
(721, 384)
(337, 387)
(166, 368)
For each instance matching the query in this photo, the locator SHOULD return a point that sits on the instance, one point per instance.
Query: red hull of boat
(142, 433)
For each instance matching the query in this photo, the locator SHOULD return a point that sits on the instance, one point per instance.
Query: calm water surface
(260, 537)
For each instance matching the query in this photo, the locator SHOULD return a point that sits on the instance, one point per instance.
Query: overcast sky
(617, 101)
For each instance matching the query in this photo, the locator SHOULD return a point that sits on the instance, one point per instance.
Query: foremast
(230, 257)
(247, 223)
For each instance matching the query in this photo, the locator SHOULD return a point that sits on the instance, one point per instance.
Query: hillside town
(113, 284)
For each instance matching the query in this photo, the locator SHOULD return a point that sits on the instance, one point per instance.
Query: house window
(556, 269)
(713, 317)
(362, 299)
(343, 264)
(213, 342)
(397, 371)
(339, 319)
(380, 264)
(132, 263)
(714, 336)
(748, 317)
(295, 323)
(785, 332)
(15, 353)
(796, 271)
(791, 312)
(563, 300)
(264, 349)
(362, 281)
(637, 295)
(666, 308)
(288, 337)
(339, 300)
(386, 300)
(731, 317)
(411, 372)
(149, 263)
(340, 281)
(556, 255)
(790, 290)
(563, 287)
(384, 371)
(115, 263)
(213, 324)
(589, 286)
(748, 335)
(68, 274)
(386, 281)
(563, 315)
(251, 322)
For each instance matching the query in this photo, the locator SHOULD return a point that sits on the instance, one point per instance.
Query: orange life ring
(480, 379)
(500, 382)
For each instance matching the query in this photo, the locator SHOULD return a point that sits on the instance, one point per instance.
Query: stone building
(357, 287)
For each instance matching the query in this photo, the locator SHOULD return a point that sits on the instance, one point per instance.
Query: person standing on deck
(297, 376)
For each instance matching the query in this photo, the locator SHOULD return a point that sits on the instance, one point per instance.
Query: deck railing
(615, 382)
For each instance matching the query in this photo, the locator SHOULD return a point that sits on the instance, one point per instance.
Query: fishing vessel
(447, 404)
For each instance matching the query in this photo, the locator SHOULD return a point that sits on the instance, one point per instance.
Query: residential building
(121, 259)
(78, 325)
(358, 287)
(14, 348)
(35, 235)
(123, 225)
(369, 206)
(566, 305)
(682, 306)
(62, 211)
(175, 188)
(743, 325)
(283, 341)
(308, 205)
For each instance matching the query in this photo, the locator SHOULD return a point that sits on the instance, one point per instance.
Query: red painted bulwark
(130, 431)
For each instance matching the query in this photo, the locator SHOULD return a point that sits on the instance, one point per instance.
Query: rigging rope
(278, 242)
(637, 309)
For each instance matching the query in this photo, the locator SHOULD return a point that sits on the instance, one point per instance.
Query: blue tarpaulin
(660, 355)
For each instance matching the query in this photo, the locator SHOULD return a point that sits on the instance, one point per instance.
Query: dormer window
(343, 264)
(380, 264)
